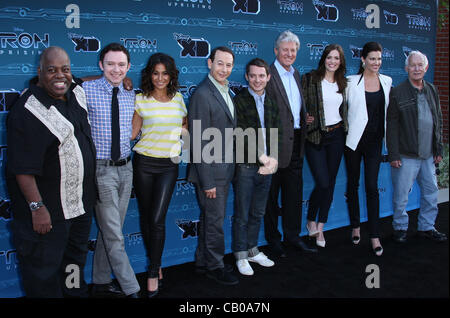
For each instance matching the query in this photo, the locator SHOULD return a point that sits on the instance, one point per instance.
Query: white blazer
(357, 109)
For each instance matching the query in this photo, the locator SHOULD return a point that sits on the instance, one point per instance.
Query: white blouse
(332, 100)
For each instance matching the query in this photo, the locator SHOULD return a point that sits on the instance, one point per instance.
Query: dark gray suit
(288, 178)
(208, 106)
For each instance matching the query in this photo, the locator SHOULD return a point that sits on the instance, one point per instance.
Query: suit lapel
(279, 83)
(222, 102)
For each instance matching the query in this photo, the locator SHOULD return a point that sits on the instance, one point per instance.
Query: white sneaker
(262, 260)
(244, 267)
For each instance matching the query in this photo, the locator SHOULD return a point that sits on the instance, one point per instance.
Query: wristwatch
(36, 205)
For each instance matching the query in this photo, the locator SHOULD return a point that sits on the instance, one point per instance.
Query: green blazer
(247, 117)
(313, 97)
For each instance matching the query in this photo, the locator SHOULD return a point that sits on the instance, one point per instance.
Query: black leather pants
(154, 180)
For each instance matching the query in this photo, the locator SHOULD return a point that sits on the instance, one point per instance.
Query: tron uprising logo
(419, 22)
(140, 45)
(387, 54)
(187, 89)
(290, 6)
(10, 259)
(325, 11)
(192, 4)
(359, 14)
(246, 6)
(316, 50)
(25, 43)
(243, 47)
(85, 43)
(192, 47)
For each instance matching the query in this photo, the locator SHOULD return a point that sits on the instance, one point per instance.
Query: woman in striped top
(160, 116)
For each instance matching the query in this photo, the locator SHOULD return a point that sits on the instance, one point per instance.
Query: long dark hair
(146, 75)
(339, 75)
(367, 48)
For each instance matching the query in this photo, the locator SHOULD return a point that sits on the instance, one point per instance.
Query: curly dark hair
(339, 75)
(146, 75)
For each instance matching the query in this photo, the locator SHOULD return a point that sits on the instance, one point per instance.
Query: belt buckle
(120, 162)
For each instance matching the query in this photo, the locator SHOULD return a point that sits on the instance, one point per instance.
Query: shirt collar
(220, 87)
(417, 90)
(109, 87)
(281, 70)
(256, 96)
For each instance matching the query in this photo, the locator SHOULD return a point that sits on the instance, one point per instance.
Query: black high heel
(355, 238)
(152, 294)
(160, 280)
(378, 251)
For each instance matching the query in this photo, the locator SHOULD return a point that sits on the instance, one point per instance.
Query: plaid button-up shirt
(99, 96)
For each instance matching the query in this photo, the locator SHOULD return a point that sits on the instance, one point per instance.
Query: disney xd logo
(246, 6)
(85, 43)
(192, 47)
(188, 227)
(326, 12)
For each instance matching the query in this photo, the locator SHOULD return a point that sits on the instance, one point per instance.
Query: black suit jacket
(276, 90)
(208, 106)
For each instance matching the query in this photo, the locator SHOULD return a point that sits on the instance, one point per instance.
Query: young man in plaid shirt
(257, 114)
(114, 171)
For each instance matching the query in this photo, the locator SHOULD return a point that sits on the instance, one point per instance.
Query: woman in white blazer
(368, 98)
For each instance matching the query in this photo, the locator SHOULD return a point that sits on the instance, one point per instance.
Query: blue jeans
(403, 178)
(251, 192)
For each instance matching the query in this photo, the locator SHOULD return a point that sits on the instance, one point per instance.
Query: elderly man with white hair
(284, 87)
(414, 141)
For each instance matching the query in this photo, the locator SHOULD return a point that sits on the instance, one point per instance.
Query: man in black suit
(212, 114)
(284, 87)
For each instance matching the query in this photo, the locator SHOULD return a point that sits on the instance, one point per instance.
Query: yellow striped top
(161, 126)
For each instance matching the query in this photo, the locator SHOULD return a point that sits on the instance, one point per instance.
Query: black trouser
(154, 181)
(370, 152)
(289, 180)
(211, 245)
(324, 161)
(44, 258)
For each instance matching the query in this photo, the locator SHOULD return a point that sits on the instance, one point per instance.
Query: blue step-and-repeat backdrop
(188, 30)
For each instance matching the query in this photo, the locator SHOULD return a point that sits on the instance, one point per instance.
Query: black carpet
(417, 269)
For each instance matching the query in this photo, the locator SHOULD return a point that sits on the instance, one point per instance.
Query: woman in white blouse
(324, 96)
(368, 98)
